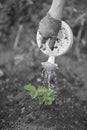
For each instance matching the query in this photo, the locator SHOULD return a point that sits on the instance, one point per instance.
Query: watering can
(62, 45)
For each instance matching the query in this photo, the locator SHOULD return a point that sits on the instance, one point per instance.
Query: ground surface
(23, 65)
(20, 112)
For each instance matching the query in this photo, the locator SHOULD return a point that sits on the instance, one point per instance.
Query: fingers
(52, 43)
(43, 43)
(44, 39)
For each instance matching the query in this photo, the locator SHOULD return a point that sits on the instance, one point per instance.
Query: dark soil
(19, 112)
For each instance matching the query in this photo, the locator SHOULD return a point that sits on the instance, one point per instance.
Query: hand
(49, 28)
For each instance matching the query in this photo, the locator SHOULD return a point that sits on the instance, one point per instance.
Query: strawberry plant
(45, 96)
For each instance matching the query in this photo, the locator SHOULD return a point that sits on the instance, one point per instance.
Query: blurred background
(20, 58)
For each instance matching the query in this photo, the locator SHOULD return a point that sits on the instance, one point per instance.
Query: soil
(17, 110)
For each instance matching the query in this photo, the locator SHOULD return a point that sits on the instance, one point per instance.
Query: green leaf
(45, 96)
(42, 89)
(48, 102)
(41, 100)
(49, 92)
(33, 94)
(30, 87)
(51, 98)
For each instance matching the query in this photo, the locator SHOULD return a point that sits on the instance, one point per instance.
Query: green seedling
(44, 95)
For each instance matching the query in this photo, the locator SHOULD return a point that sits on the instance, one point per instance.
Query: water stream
(49, 79)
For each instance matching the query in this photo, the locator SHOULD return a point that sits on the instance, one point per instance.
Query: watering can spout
(50, 64)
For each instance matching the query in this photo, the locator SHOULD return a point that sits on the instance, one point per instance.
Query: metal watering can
(62, 45)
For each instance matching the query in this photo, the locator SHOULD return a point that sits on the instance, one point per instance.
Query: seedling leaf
(41, 100)
(30, 87)
(51, 98)
(42, 89)
(48, 102)
(33, 94)
(49, 92)
(45, 96)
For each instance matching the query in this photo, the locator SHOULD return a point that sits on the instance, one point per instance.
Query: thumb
(43, 42)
